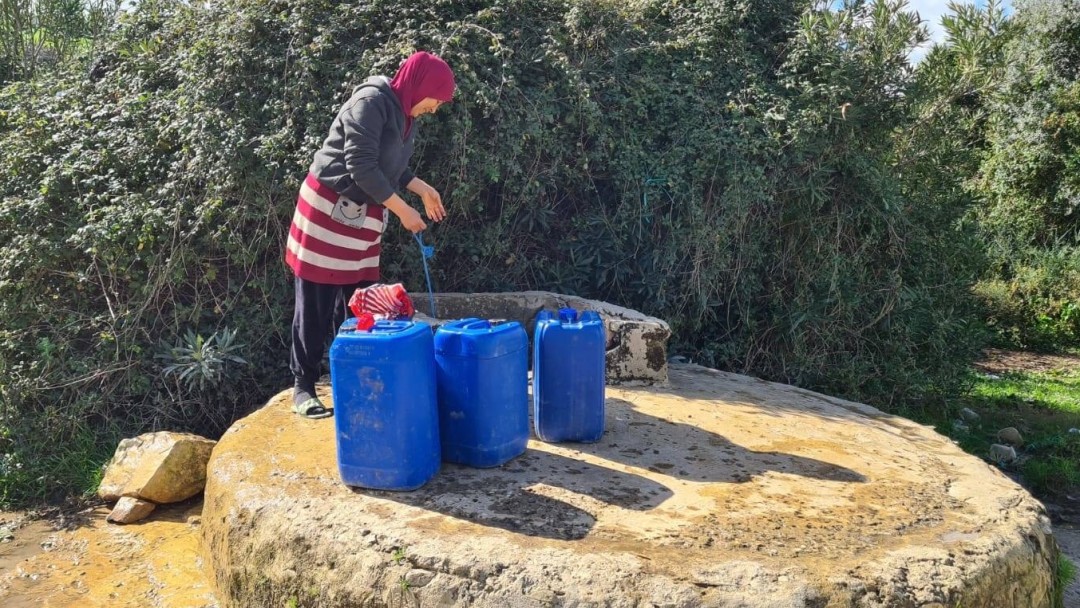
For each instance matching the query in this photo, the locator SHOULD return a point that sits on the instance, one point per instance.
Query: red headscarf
(422, 75)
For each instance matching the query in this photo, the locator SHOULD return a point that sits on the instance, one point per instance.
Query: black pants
(318, 312)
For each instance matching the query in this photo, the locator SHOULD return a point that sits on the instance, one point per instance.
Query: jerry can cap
(379, 327)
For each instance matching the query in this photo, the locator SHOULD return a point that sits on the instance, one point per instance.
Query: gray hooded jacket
(365, 158)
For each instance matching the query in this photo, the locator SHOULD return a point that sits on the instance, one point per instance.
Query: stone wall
(636, 343)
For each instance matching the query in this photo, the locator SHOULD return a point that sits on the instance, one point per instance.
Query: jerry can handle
(472, 324)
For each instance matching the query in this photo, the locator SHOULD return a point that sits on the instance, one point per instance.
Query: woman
(333, 245)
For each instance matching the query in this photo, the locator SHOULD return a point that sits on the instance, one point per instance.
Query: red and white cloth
(332, 240)
(382, 302)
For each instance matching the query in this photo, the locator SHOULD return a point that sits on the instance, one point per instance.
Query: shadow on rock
(685, 451)
(557, 495)
(536, 494)
(694, 382)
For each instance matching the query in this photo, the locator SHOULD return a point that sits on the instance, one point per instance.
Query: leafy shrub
(725, 166)
(1029, 181)
(39, 35)
(1038, 307)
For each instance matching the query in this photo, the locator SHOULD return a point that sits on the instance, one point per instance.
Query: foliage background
(1029, 181)
(772, 177)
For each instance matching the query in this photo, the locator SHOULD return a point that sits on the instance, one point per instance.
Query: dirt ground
(999, 361)
(65, 558)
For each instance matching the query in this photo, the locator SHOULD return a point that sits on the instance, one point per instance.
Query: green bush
(38, 35)
(1038, 307)
(727, 167)
(1029, 182)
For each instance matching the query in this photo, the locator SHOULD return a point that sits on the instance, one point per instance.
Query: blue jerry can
(385, 413)
(568, 376)
(481, 372)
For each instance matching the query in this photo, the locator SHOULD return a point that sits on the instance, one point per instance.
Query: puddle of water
(26, 539)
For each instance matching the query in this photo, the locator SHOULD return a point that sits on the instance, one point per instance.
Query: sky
(931, 12)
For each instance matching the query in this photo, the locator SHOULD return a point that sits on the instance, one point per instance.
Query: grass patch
(1064, 575)
(36, 469)
(1043, 405)
(1053, 391)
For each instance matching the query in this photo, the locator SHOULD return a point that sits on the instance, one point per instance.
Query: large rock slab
(715, 490)
(636, 343)
(160, 467)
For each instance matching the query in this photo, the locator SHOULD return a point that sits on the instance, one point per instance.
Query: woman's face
(427, 106)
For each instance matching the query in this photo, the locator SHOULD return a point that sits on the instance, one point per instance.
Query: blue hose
(427, 251)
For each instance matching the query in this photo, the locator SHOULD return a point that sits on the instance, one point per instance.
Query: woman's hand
(410, 218)
(433, 206)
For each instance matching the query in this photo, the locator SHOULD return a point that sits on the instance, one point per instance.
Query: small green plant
(398, 555)
(292, 602)
(199, 362)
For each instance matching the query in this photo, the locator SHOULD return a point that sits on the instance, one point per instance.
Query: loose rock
(160, 467)
(969, 415)
(1011, 436)
(419, 578)
(1002, 454)
(129, 510)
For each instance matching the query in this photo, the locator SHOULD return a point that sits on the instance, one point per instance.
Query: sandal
(313, 408)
